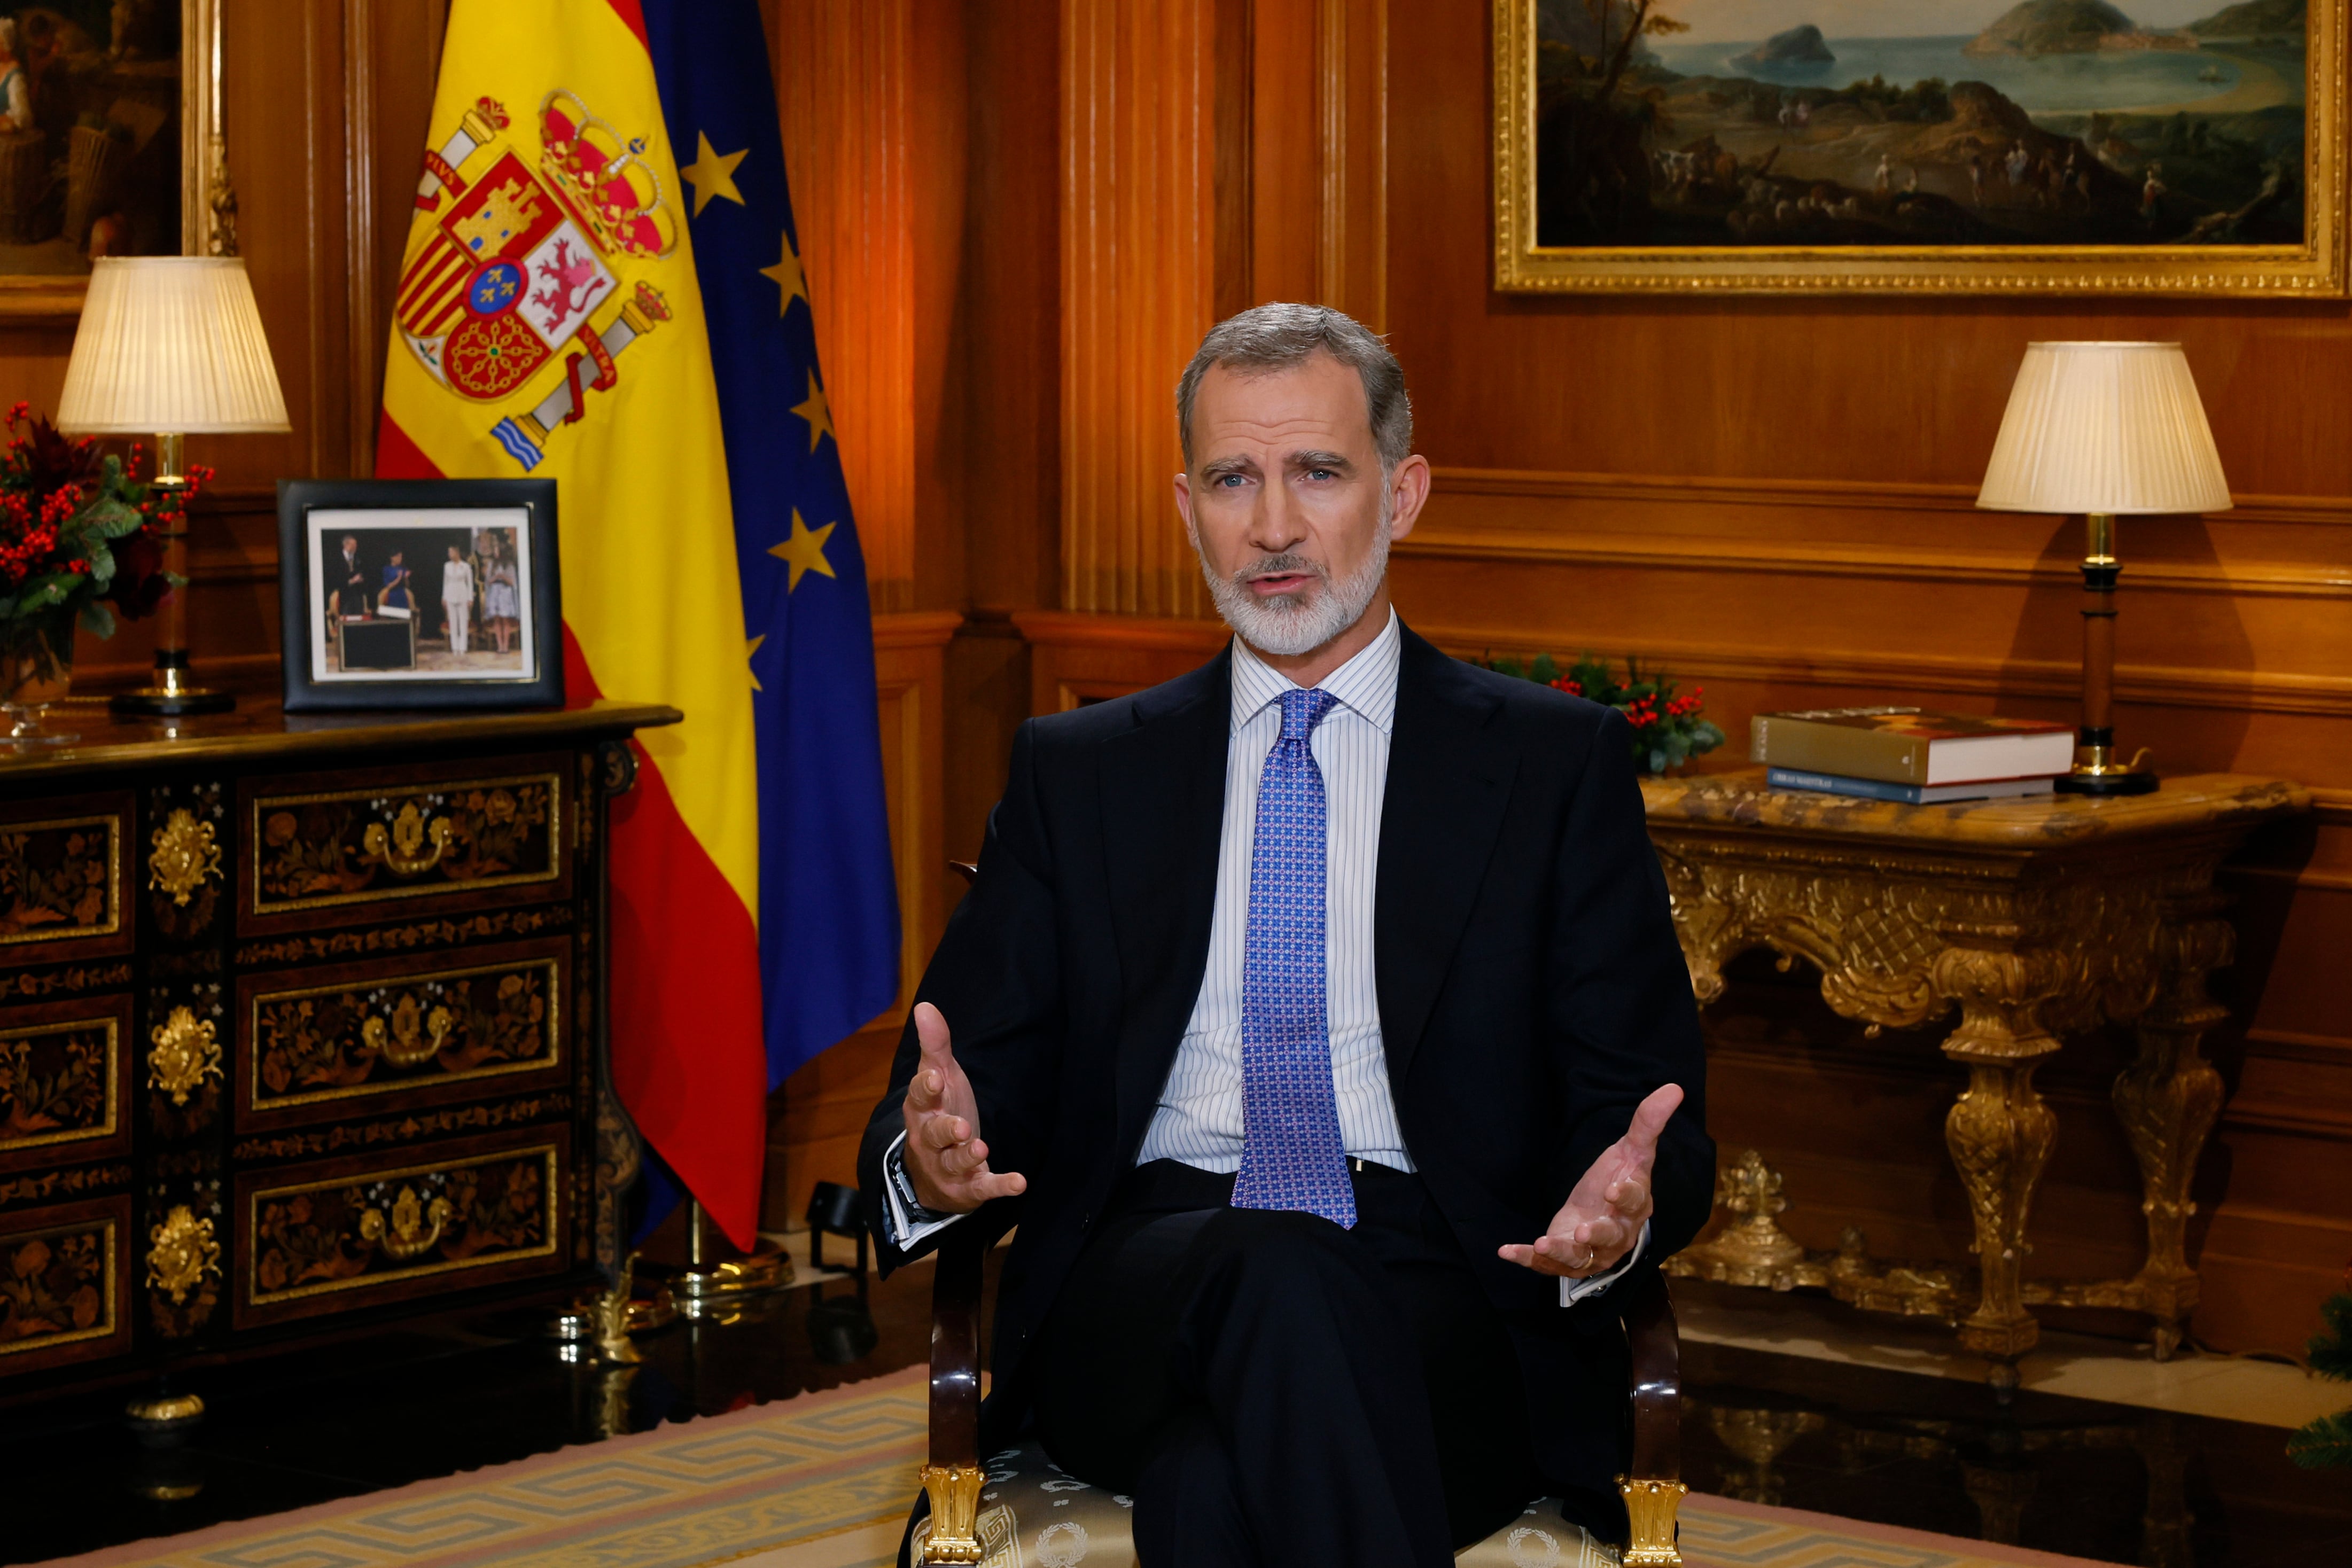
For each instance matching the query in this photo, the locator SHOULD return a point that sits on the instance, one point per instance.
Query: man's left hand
(1603, 1217)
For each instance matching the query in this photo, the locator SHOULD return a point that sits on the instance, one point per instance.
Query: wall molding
(915, 628)
(1849, 495)
(2146, 686)
(2293, 1045)
(2143, 685)
(1441, 537)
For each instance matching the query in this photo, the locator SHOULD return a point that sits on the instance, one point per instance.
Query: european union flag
(828, 901)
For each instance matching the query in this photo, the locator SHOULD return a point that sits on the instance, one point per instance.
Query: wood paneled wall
(1775, 497)
(1017, 216)
(1138, 265)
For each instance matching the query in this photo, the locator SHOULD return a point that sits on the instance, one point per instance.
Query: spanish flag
(602, 285)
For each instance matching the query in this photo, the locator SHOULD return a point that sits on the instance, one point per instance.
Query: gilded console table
(2034, 919)
(300, 1026)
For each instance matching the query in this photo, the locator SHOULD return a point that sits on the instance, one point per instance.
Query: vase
(36, 670)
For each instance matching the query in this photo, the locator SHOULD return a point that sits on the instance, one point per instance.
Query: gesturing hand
(1603, 1217)
(945, 1158)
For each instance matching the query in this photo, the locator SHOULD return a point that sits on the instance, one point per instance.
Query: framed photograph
(420, 593)
(2149, 147)
(109, 145)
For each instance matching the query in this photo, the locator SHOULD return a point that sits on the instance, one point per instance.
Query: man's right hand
(945, 1158)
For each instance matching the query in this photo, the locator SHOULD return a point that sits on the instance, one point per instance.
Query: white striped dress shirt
(1199, 1121)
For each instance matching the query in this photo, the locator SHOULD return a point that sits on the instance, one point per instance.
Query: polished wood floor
(2091, 1480)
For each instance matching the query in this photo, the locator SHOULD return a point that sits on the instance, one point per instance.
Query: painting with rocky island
(2047, 145)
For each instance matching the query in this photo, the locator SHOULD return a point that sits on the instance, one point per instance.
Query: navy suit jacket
(1532, 993)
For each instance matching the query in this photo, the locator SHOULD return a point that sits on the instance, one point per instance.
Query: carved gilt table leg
(2168, 1100)
(2000, 1131)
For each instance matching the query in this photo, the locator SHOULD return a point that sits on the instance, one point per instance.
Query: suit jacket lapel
(1450, 774)
(1163, 803)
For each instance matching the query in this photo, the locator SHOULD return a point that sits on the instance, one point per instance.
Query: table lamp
(169, 346)
(2105, 430)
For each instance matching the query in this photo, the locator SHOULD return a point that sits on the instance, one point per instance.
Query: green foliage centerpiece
(1668, 728)
(78, 544)
(2326, 1443)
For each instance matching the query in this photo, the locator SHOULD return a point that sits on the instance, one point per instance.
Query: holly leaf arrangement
(78, 531)
(1667, 725)
(2326, 1443)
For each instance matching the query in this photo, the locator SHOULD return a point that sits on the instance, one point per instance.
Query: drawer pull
(186, 1053)
(186, 856)
(414, 1036)
(405, 1236)
(181, 1251)
(403, 848)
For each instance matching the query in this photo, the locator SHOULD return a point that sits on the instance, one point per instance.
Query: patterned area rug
(822, 1481)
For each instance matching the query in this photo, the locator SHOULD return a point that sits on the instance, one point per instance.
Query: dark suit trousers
(1273, 1389)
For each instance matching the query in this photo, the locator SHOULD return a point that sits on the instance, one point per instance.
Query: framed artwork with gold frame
(2052, 147)
(123, 154)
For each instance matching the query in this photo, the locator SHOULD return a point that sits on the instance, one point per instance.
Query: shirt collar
(1366, 685)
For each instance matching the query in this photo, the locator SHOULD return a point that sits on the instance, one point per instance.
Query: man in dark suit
(1318, 1019)
(347, 581)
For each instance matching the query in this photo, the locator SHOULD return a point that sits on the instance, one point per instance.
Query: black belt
(1165, 1186)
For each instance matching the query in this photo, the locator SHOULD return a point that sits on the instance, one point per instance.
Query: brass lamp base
(172, 694)
(2097, 773)
(157, 702)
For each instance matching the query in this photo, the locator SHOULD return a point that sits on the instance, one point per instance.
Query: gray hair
(1268, 339)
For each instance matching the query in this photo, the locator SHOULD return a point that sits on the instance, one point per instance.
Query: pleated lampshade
(2104, 427)
(170, 344)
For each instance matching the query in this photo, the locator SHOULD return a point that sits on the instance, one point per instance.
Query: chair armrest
(955, 1350)
(1653, 1491)
(952, 1476)
(1657, 1390)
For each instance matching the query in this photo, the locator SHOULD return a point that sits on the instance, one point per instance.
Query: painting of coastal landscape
(2009, 145)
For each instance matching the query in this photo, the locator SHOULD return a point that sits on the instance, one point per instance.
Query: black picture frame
(508, 520)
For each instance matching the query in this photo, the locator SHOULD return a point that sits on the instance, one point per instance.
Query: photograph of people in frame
(421, 594)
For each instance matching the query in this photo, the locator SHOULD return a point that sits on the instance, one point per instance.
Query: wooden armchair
(1035, 1513)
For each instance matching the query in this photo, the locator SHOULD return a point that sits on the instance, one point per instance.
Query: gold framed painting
(109, 142)
(2047, 147)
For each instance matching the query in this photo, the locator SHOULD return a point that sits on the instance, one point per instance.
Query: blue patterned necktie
(1292, 1155)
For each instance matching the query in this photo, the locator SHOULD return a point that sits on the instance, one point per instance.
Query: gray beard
(1299, 623)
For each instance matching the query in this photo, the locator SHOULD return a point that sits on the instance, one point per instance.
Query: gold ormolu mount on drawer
(420, 837)
(62, 880)
(319, 1044)
(183, 856)
(184, 1052)
(347, 1233)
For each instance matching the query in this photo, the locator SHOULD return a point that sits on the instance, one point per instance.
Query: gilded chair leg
(955, 1513)
(1651, 1507)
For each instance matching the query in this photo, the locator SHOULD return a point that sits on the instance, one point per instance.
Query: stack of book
(1908, 755)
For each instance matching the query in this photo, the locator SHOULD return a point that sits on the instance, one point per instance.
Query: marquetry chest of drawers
(300, 1020)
